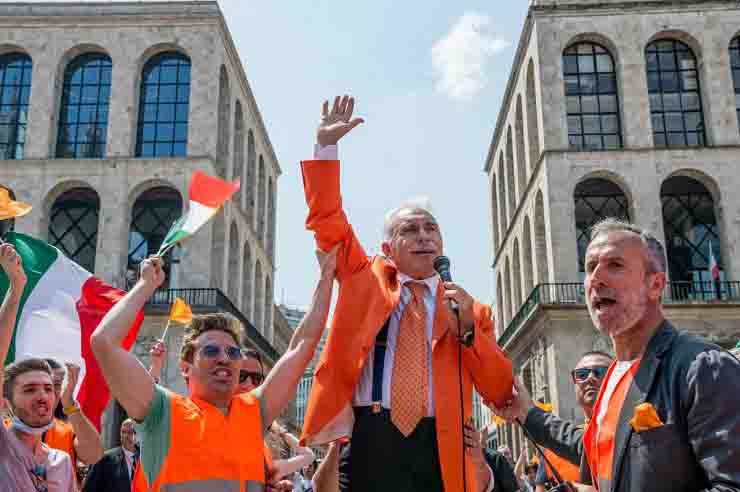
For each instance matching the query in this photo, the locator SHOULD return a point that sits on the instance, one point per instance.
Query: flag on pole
(713, 265)
(181, 312)
(60, 308)
(207, 196)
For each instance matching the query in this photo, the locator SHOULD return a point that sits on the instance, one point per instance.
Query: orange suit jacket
(369, 291)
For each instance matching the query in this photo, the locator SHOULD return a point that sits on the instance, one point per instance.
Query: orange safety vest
(566, 469)
(62, 437)
(599, 440)
(208, 450)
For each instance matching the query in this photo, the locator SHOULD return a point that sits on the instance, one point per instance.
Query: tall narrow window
(73, 225)
(152, 216)
(735, 66)
(83, 117)
(15, 89)
(675, 96)
(592, 103)
(164, 106)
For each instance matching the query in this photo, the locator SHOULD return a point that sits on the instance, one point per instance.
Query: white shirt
(620, 369)
(364, 391)
(129, 461)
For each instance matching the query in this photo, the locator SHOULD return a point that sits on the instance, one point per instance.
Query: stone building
(614, 108)
(106, 110)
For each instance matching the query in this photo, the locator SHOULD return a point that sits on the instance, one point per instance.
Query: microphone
(442, 266)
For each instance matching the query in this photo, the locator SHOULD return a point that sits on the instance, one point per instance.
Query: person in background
(26, 463)
(305, 483)
(115, 470)
(72, 432)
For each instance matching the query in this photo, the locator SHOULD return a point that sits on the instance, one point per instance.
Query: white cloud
(460, 57)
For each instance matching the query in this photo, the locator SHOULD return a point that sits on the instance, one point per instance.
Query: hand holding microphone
(459, 301)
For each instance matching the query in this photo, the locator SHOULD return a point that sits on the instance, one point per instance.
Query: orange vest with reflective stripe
(62, 437)
(599, 439)
(210, 451)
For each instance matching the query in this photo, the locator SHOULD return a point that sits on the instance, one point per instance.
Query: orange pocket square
(645, 418)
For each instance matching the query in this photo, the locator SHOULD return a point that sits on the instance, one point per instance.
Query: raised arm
(303, 456)
(12, 266)
(281, 383)
(88, 445)
(129, 381)
(321, 183)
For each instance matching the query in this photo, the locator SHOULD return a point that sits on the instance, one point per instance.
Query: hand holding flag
(207, 196)
(180, 313)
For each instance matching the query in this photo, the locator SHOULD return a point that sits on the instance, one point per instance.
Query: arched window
(261, 201)
(268, 309)
(151, 218)
(234, 255)
(258, 299)
(533, 130)
(540, 240)
(83, 117)
(690, 225)
(596, 199)
(270, 219)
(735, 66)
(675, 96)
(247, 285)
(249, 185)
(15, 89)
(224, 108)
(591, 99)
(494, 212)
(73, 225)
(164, 106)
(527, 258)
(238, 151)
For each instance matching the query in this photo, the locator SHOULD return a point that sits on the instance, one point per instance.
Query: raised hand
(157, 353)
(328, 262)
(152, 273)
(518, 407)
(338, 122)
(73, 374)
(11, 263)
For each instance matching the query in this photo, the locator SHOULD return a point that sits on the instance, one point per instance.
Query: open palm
(338, 122)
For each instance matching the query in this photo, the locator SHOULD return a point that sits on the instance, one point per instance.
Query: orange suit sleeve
(489, 367)
(327, 219)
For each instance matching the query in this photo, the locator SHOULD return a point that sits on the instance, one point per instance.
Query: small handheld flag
(207, 196)
(180, 313)
(713, 265)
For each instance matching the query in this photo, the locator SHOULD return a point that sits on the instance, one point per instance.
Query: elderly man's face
(415, 243)
(618, 285)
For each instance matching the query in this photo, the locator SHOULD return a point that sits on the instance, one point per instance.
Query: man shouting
(389, 375)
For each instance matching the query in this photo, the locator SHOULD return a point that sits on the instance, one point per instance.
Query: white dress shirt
(129, 461)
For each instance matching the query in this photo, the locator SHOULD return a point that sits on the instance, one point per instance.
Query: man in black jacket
(115, 470)
(667, 417)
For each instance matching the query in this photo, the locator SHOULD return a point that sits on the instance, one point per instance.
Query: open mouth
(424, 252)
(222, 372)
(603, 303)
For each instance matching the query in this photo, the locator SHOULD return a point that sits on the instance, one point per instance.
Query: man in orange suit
(389, 375)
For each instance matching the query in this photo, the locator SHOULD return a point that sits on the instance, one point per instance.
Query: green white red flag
(207, 196)
(60, 308)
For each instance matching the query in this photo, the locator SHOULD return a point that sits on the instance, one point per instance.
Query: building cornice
(107, 12)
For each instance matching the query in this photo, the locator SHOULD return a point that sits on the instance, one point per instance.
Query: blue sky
(428, 78)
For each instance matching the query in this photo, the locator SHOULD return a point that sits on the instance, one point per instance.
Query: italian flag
(207, 196)
(61, 306)
(713, 265)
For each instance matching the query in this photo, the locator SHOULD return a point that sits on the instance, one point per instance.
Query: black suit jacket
(695, 388)
(110, 474)
(504, 479)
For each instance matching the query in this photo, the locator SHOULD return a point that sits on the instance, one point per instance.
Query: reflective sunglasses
(214, 351)
(256, 377)
(581, 374)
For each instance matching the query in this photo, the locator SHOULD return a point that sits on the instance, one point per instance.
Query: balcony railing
(573, 294)
(209, 300)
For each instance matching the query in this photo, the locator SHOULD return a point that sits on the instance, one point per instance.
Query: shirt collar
(129, 454)
(431, 282)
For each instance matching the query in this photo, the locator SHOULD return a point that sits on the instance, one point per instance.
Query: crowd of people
(392, 395)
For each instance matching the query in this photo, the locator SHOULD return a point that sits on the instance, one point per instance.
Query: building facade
(614, 108)
(106, 110)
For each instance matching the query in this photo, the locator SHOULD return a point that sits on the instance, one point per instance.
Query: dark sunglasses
(214, 351)
(256, 377)
(581, 374)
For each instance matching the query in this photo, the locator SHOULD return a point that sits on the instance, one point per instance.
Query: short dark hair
(14, 370)
(208, 322)
(54, 364)
(250, 353)
(597, 352)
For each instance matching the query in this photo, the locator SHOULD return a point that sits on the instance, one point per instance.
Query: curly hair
(209, 322)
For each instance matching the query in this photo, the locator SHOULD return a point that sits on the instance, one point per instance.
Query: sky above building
(428, 78)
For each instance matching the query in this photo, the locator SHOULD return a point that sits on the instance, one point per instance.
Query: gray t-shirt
(16, 465)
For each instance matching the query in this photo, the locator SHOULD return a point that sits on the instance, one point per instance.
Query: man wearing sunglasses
(212, 439)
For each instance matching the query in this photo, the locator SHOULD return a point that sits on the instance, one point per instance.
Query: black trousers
(380, 459)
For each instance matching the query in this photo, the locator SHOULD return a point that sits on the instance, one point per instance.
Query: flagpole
(167, 327)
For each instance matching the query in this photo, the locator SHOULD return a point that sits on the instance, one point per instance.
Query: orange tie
(410, 384)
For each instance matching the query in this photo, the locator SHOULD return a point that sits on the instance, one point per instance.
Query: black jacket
(504, 479)
(695, 388)
(110, 474)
